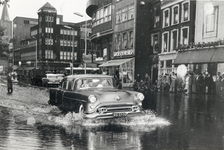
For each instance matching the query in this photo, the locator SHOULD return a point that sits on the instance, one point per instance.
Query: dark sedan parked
(95, 96)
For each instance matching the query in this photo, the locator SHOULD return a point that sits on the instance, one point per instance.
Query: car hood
(110, 95)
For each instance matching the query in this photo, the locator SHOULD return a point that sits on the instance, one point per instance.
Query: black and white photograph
(111, 75)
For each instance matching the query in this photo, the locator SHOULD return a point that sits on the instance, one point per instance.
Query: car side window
(70, 83)
(77, 84)
(64, 85)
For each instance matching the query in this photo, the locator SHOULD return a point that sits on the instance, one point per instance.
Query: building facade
(57, 43)
(206, 54)
(177, 31)
(121, 28)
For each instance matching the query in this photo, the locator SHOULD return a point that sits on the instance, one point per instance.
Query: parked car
(95, 96)
(52, 79)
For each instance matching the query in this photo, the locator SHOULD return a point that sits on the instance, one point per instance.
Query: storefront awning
(195, 56)
(117, 62)
(218, 56)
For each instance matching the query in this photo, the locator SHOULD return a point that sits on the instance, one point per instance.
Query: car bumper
(112, 115)
(53, 83)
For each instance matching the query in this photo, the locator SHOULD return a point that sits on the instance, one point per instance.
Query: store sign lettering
(124, 53)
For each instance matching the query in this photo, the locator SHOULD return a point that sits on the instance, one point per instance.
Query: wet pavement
(173, 122)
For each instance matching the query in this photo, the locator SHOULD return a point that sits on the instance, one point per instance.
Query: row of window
(68, 32)
(124, 40)
(175, 14)
(68, 43)
(124, 14)
(47, 19)
(170, 45)
(48, 54)
(102, 15)
(49, 41)
(64, 55)
(49, 30)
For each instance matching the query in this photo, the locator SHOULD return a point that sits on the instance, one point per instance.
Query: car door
(60, 94)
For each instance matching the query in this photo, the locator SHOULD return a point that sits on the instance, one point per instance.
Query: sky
(29, 8)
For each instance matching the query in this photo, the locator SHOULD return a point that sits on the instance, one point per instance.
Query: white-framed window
(75, 43)
(131, 12)
(61, 55)
(157, 17)
(118, 17)
(125, 40)
(65, 42)
(211, 23)
(185, 11)
(65, 55)
(175, 14)
(165, 42)
(155, 42)
(69, 43)
(124, 14)
(68, 55)
(174, 39)
(61, 31)
(61, 42)
(184, 36)
(75, 55)
(166, 17)
(130, 39)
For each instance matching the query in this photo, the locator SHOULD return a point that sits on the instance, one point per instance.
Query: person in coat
(9, 83)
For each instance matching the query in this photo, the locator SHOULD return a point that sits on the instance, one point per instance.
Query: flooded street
(171, 123)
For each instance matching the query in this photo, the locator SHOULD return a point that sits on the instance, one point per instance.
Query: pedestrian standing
(173, 82)
(9, 83)
(193, 83)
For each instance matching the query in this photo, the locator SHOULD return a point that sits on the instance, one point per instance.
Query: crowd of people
(198, 83)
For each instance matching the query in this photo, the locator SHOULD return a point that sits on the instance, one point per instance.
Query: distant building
(47, 41)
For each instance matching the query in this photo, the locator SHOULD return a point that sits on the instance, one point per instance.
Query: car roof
(87, 76)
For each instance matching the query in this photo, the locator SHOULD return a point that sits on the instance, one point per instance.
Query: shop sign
(124, 53)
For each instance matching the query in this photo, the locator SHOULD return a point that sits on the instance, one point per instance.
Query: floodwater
(171, 122)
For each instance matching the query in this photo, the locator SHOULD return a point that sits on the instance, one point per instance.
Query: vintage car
(52, 79)
(95, 96)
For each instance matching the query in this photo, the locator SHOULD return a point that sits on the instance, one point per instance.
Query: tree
(4, 45)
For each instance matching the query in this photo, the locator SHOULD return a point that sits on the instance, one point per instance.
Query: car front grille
(112, 109)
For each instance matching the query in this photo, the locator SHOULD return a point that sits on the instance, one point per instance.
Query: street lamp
(80, 15)
(73, 33)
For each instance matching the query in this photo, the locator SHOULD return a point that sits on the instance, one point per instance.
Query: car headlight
(140, 96)
(92, 98)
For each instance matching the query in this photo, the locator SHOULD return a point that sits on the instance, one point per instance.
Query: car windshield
(94, 83)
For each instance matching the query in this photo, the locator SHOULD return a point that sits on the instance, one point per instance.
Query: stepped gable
(47, 8)
(5, 13)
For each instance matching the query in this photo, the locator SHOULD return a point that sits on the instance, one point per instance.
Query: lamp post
(72, 46)
(80, 15)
